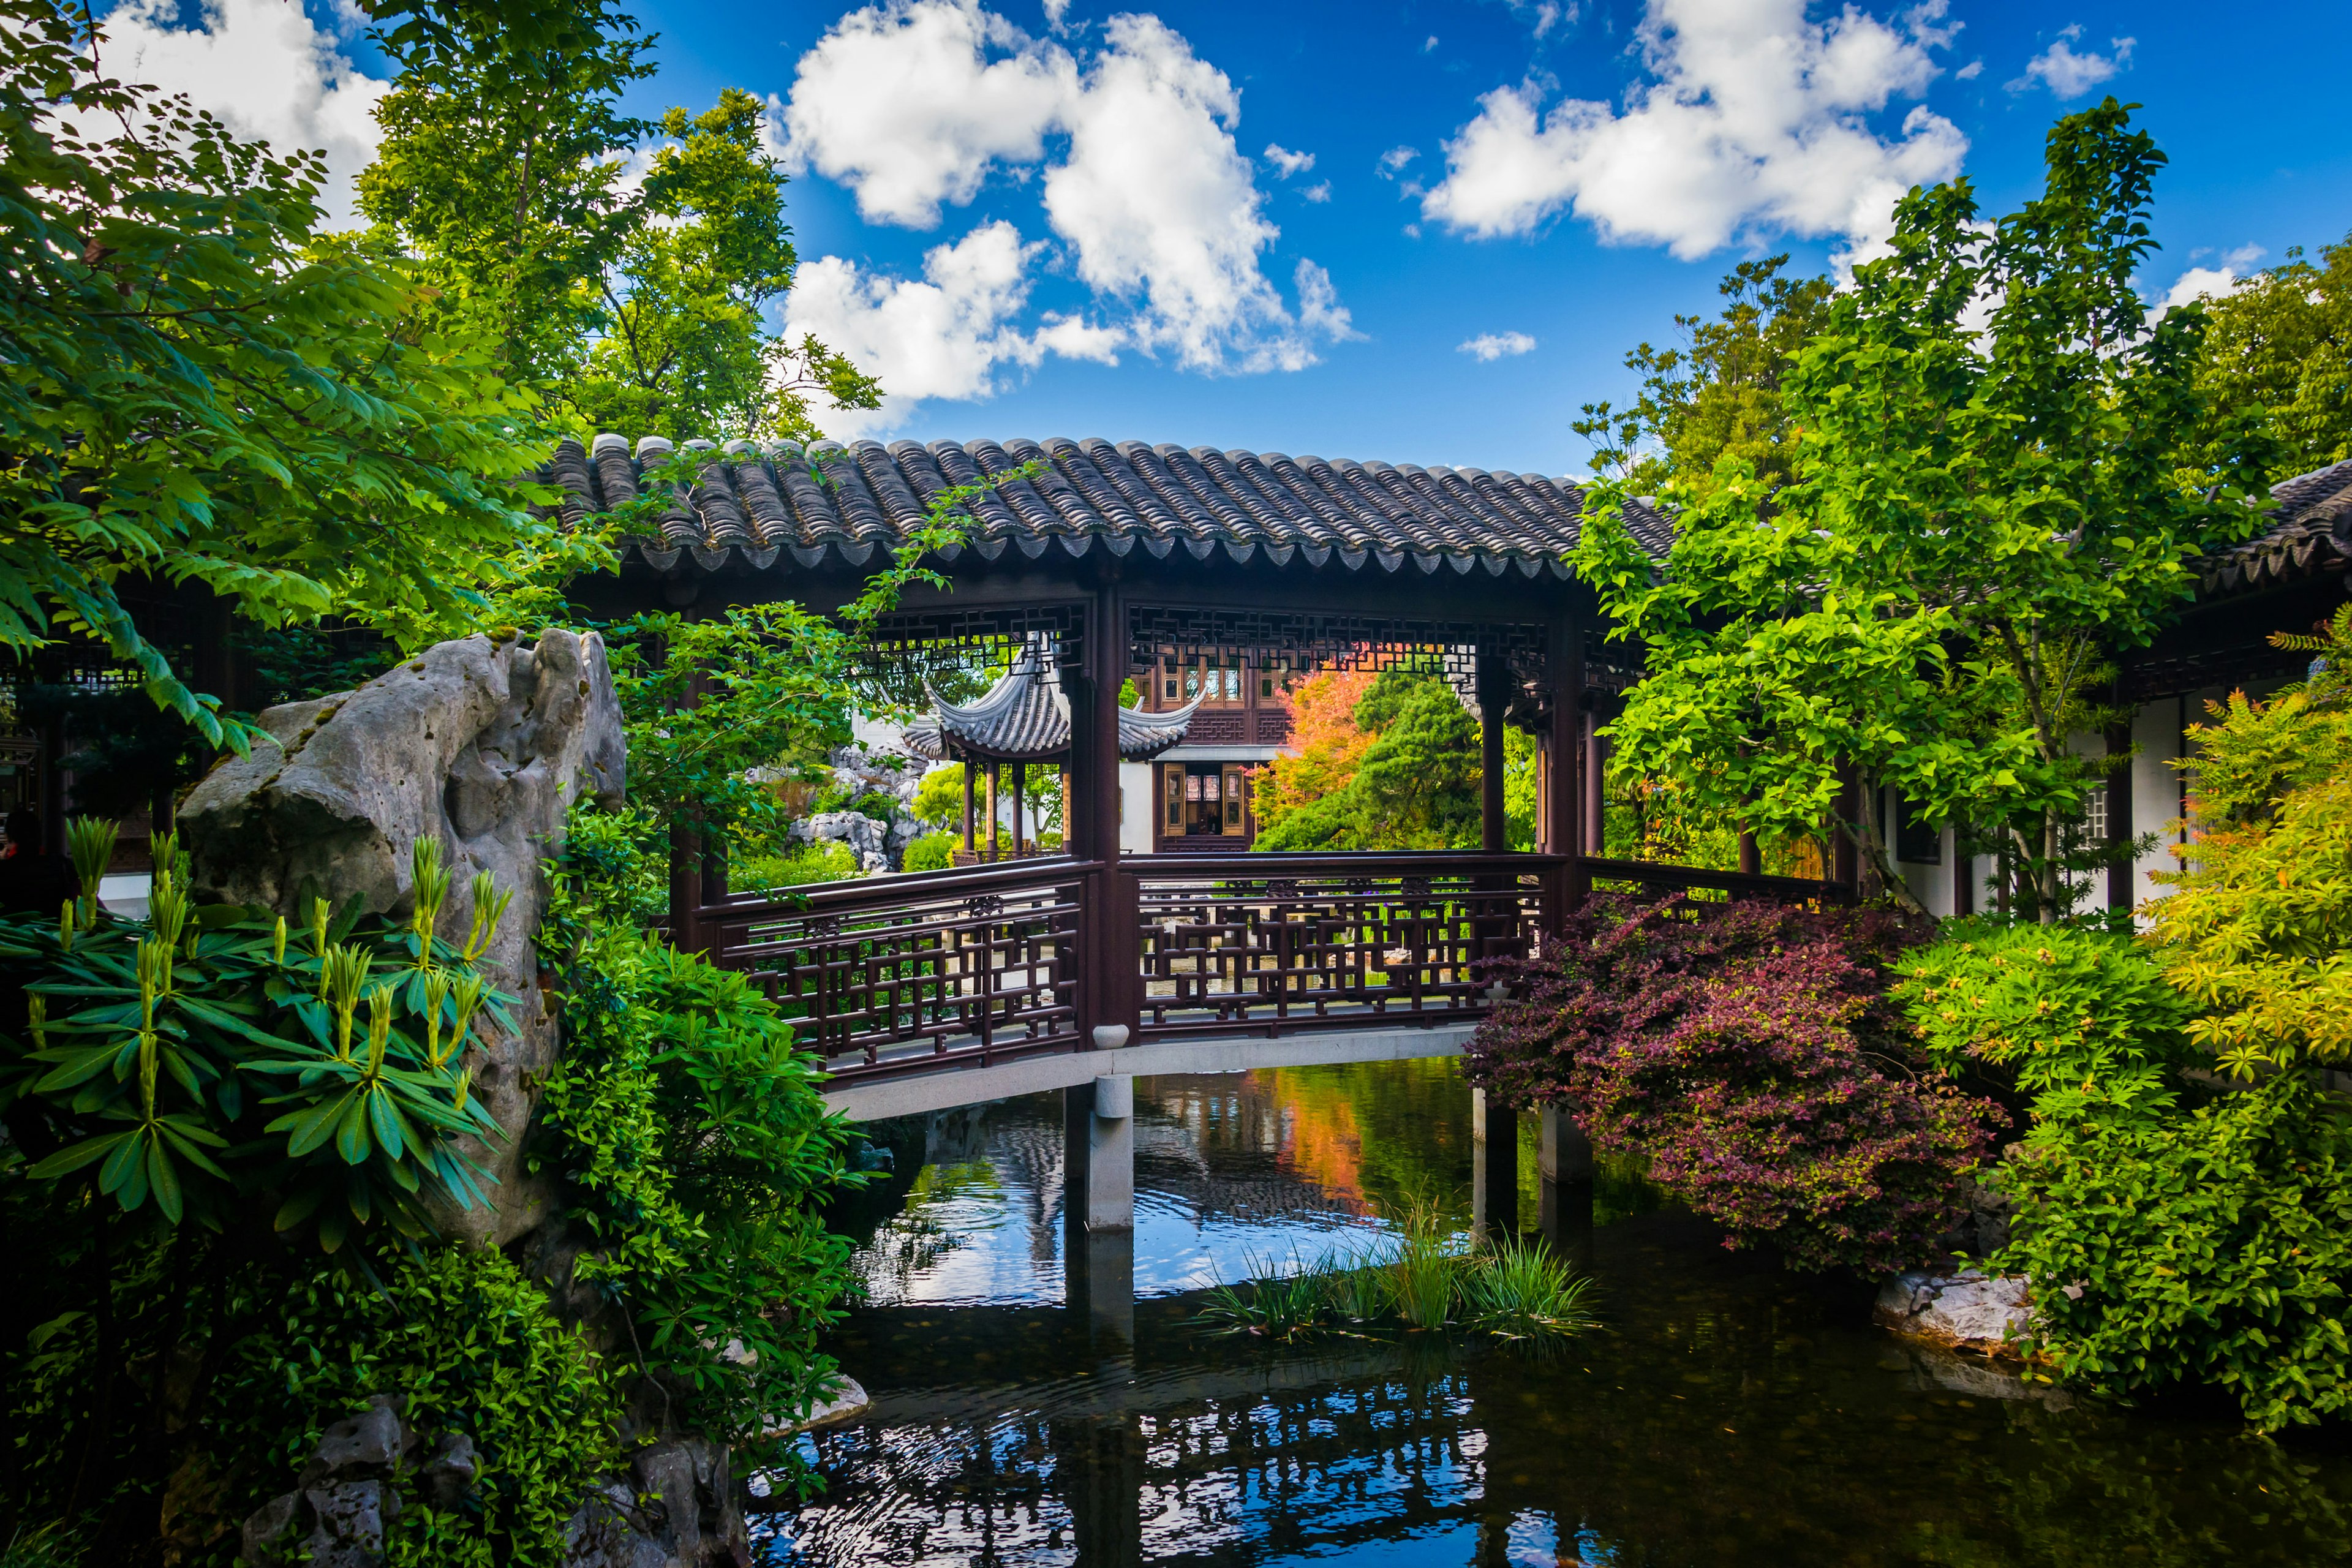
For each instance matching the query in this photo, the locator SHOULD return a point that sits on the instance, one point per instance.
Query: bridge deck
(872, 1100)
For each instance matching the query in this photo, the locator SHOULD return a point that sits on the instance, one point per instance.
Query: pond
(1028, 1410)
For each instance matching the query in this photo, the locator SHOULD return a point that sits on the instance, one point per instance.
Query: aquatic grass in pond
(1425, 1276)
(1521, 1290)
(1517, 1289)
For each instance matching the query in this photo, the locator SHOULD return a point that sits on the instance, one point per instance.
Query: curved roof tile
(847, 500)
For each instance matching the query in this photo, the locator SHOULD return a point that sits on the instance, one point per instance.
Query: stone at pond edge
(1970, 1310)
(478, 743)
(846, 1401)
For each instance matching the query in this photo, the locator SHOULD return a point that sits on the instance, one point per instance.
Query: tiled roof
(2311, 533)
(1024, 717)
(779, 504)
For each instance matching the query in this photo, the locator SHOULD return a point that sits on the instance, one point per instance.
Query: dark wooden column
(1020, 794)
(2120, 875)
(1494, 692)
(996, 828)
(967, 847)
(1560, 833)
(1109, 959)
(1845, 848)
(1595, 795)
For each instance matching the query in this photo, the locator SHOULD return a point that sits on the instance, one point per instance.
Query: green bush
(939, 797)
(932, 852)
(468, 1343)
(2215, 1246)
(797, 867)
(201, 1056)
(694, 1148)
(2081, 1018)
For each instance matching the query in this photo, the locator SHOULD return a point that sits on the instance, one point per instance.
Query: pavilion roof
(780, 504)
(1024, 717)
(2310, 532)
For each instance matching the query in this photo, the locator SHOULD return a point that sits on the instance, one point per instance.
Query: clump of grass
(1425, 1276)
(1428, 1280)
(1520, 1291)
(49, 1546)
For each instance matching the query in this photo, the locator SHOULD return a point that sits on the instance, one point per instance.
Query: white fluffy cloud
(1491, 346)
(945, 334)
(1755, 120)
(2068, 74)
(2207, 282)
(1287, 162)
(265, 70)
(913, 103)
(902, 104)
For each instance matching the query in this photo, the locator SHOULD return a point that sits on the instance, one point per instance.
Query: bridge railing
(916, 973)
(1267, 944)
(983, 964)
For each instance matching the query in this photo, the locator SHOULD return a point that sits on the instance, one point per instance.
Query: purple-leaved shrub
(1749, 1055)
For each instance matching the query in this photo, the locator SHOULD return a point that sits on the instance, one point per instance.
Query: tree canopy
(636, 306)
(1719, 396)
(197, 387)
(1988, 508)
(2278, 348)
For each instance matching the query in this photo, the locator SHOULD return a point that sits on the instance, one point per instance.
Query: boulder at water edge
(482, 744)
(1970, 1310)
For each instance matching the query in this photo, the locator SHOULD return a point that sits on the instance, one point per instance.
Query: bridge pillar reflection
(1564, 1169)
(1493, 1168)
(1098, 1205)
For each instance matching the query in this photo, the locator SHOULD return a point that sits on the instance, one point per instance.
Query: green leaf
(74, 1156)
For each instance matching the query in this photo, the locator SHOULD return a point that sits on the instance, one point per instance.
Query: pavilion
(1024, 721)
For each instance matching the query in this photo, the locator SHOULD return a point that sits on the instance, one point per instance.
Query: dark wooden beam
(1494, 692)
(2121, 874)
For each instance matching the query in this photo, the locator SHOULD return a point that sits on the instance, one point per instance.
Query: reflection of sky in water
(1237, 1175)
(1732, 1413)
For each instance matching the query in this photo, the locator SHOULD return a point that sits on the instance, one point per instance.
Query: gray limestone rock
(1968, 1310)
(868, 838)
(482, 744)
(675, 1506)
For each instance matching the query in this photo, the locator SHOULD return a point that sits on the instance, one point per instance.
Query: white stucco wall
(1135, 804)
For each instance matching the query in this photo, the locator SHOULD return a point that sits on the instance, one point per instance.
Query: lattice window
(1262, 641)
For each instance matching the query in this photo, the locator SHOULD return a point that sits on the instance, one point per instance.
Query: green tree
(1985, 516)
(503, 171)
(502, 164)
(197, 387)
(1415, 787)
(684, 352)
(2279, 348)
(1718, 396)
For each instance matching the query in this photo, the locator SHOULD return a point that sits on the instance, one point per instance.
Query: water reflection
(1730, 1413)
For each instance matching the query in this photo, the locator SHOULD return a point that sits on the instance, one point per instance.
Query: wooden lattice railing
(1271, 943)
(911, 973)
(968, 967)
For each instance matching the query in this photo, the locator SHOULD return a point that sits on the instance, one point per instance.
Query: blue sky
(1087, 222)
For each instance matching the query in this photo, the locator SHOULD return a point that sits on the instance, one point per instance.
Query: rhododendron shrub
(1750, 1053)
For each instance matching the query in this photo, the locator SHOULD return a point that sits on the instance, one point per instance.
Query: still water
(1028, 1411)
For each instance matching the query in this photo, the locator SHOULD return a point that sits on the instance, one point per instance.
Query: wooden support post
(1494, 690)
(996, 833)
(1020, 791)
(1846, 844)
(1596, 799)
(1751, 858)
(967, 846)
(1560, 831)
(2121, 873)
(1110, 960)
